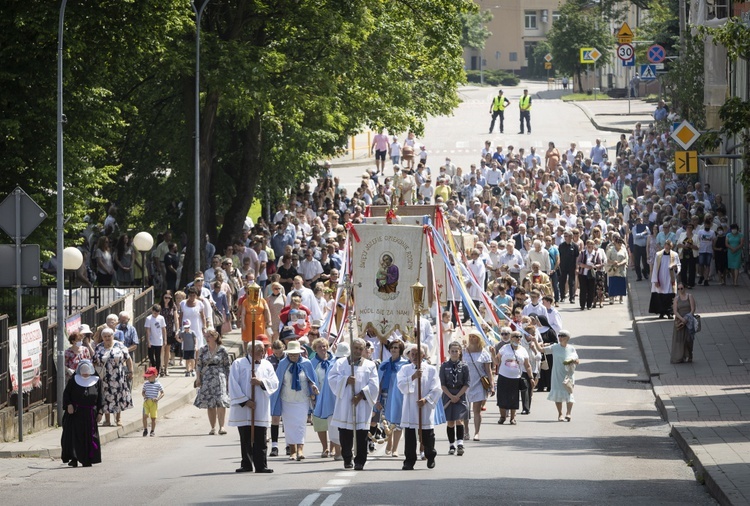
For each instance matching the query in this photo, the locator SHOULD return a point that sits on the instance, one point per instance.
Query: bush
(493, 77)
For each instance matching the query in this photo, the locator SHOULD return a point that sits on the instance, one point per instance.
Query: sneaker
(460, 450)
(452, 450)
(153, 433)
(700, 280)
(371, 447)
(274, 452)
(187, 374)
(192, 373)
(421, 456)
(705, 283)
(145, 432)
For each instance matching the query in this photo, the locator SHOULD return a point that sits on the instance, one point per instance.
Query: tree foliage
(283, 84)
(474, 31)
(579, 26)
(684, 83)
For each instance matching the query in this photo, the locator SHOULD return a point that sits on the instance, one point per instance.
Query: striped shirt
(152, 389)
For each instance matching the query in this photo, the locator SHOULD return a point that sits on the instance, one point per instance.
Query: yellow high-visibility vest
(498, 103)
(525, 103)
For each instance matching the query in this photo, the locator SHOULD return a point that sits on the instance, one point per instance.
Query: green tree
(474, 31)
(579, 26)
(684, 83)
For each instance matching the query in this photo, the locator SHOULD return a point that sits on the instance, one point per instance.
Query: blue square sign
(630, 62)
(648, 72)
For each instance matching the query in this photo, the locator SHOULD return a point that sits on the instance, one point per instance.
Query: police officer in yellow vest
(497, 109)
(524, 104)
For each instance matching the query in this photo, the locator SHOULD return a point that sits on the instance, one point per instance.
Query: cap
(186, 324)
(151, 371)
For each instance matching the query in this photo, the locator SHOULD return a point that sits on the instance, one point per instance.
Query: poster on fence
(386, 261)
(31, 357)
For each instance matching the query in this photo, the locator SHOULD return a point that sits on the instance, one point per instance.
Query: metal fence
(92, 315)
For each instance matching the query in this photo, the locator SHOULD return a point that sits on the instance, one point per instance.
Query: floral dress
(214, 372)
(112, 364)
(72, 358)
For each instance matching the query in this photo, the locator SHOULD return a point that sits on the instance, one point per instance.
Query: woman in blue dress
(391, 398)
(734, 251)
(565, 359)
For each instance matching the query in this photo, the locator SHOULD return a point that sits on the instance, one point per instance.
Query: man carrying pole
(354, 382)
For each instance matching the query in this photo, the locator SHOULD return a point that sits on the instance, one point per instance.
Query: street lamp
(60, 230)
(72, 261)
(143, 242)
(197, 201)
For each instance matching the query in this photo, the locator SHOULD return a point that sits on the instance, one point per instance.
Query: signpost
(19, 216)
(685, 134)
(686, 162)
(648, 72)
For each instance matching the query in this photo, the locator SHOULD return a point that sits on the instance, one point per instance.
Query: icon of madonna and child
(386, 279)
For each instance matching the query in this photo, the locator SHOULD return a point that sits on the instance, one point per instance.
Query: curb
(105, 436)
(591, 117)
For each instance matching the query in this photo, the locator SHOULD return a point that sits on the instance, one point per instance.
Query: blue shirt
(554, 254)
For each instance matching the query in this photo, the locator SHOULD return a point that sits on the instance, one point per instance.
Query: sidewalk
(707, 402)
(178, 389)
(615, 116)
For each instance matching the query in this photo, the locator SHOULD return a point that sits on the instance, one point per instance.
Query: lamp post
(72, 261)
(197, 201)
(417, 296)
(60, 228)
(143, 242)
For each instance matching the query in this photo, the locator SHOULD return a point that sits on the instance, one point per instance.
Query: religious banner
(31, 357)
(386, 261)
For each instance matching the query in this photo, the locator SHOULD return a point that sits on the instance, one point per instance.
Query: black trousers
(687, 274)
(640, 259)
(495, 115)
(154, 356)
(526, 394)
(527, 116)
(453, 310)
(587, 286)
(253, 452)
(467, 311)
(346, 437)
(410, 445)
(568, 278)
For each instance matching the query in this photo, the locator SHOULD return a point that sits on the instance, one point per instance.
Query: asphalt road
(616, 450)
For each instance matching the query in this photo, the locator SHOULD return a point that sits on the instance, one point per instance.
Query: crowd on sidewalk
(538, 229)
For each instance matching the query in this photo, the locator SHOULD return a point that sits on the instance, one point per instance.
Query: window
(555, 16)
(529, 20)
(513, 56)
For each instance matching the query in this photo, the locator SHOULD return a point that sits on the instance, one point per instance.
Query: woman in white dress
(192, 309)
(479, 361)
(297, 388)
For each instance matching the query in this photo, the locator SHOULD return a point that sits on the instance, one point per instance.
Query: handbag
(522, 386)
(544, 366)
(697, 322)
(485, 380)
(217, 317)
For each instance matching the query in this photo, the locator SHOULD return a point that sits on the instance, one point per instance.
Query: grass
(584, 97)
(255, 210)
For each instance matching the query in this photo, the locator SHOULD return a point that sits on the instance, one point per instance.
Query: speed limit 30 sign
(625, 51)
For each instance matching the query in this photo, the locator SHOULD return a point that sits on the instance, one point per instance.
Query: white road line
(337, 483)
(348, 474)
(330, 489)
(330, 500)
(310, 499)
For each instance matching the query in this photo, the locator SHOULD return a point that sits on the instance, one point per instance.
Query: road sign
(30, 271)
(590, 55)
(686, 162)
(629, 63)
(625, 35)
(548, 57)
(31, 214)
(625, 51)
(685, 134)
(659, 66)
(547, 65)
(656, 54)
(648, 72)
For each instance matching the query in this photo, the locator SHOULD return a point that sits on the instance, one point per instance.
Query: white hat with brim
(342, 350)
(293, 348)
(84, 329)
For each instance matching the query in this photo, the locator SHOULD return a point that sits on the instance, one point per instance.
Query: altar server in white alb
(355, 397)
(431, 392)
(265, 383)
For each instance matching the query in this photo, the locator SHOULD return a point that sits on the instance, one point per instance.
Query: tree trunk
(245, 179)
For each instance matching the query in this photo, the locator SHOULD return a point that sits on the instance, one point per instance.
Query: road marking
(330, 489)
(462, 144)
(336, 483)
(348, 474)
(330, 500)
(310, 499)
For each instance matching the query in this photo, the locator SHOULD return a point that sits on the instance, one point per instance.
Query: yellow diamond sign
(685, 134)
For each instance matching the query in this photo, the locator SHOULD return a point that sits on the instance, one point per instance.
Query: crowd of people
(538, 230)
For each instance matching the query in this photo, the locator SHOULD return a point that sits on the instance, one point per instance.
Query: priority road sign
(589, 55)
(656, 54)
(548, 57)
(648, 72)
(685, 134)
(625, 51)
(625, 34)
(686, 162)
